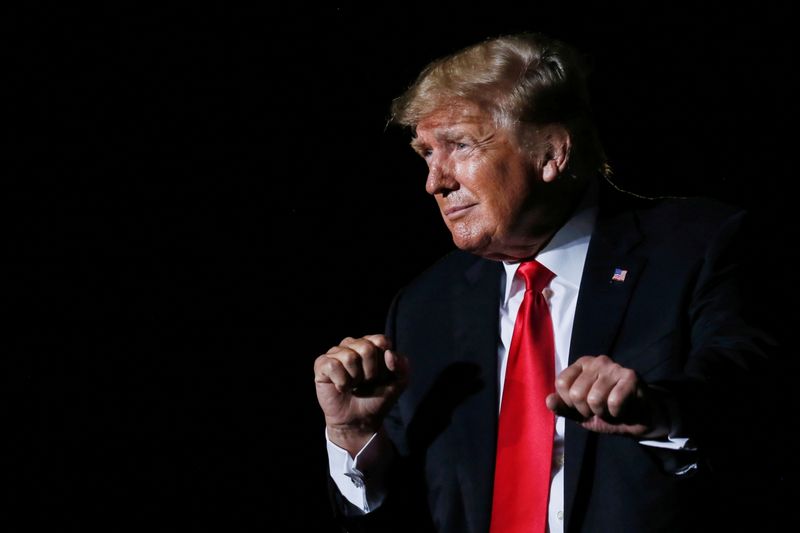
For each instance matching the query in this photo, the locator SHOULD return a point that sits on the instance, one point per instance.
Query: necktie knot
(536, 275)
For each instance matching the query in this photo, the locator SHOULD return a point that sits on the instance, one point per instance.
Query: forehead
(458, 117)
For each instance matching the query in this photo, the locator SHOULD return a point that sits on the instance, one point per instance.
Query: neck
(572, 195)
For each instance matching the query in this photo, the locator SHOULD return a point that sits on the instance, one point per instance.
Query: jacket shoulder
(452, 268)
(691, 220)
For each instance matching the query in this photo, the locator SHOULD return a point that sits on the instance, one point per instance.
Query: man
(606, 329)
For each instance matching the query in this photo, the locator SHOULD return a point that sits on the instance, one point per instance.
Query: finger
(579, 391)
(565, 380)
(623, 393)
(351, 361)
(597, 397)
(395, 382)
(371, 357)
(557, 405)
(321, 369)
(391, 360)
(381, 341)
(329, 370)
(398, 365)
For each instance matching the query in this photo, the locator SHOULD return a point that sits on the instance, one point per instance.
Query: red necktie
(525, 433)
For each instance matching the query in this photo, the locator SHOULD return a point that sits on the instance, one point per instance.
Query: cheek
(496, 186)
(499, 203)
(510, 198)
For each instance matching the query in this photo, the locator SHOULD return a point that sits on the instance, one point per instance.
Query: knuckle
(327, 366)
(575, 395)
(349, 358)
(362, 346)
(322, 366)
(376, 338)
(603, 364)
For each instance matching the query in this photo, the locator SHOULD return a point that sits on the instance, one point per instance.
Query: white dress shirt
(565, 256)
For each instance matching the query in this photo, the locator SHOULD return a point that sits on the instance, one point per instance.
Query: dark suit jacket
(678, 320)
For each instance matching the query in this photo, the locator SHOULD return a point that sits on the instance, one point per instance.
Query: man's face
(490, 193)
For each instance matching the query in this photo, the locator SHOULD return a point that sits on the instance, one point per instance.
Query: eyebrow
(418, 145)
(451, 134)
(448, 135)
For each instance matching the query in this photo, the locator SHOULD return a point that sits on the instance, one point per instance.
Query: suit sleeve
(404, 507)
(719, 395)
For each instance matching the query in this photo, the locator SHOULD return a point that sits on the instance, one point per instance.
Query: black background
(200, 202)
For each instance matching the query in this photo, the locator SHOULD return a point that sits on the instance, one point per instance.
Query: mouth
(457, 211)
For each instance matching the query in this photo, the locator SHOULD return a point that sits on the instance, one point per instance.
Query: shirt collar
(565, 254)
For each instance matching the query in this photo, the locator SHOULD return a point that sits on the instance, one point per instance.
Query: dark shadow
(454, 385)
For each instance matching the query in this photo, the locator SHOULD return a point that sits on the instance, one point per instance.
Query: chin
(475, 235)
(478, 246)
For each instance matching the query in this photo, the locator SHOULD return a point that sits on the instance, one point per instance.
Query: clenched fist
(608, 398)
(357, 383)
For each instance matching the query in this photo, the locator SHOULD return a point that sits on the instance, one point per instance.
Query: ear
(556, 156)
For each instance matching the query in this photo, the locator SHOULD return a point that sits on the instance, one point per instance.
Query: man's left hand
(605, 397)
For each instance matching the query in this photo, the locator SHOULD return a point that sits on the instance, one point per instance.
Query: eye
(462, 146)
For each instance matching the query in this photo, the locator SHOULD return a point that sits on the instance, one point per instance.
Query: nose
(441, 176)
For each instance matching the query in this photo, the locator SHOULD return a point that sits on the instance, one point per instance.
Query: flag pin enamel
(619, 275)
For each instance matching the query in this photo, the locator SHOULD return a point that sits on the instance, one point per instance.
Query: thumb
(554, 402)
(398, 365)
(558, 406)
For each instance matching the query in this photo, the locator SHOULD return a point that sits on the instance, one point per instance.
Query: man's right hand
(357, 382)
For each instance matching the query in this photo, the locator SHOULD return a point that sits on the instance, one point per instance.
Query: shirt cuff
(670, 443)
(360, 479)
(676, 439)
(683, 462)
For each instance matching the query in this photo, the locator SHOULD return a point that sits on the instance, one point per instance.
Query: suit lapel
(601, 306)
(475, 306)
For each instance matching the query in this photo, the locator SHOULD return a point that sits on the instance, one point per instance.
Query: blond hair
(523, 79)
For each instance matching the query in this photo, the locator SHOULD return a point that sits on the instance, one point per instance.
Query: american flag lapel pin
(619, 275)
